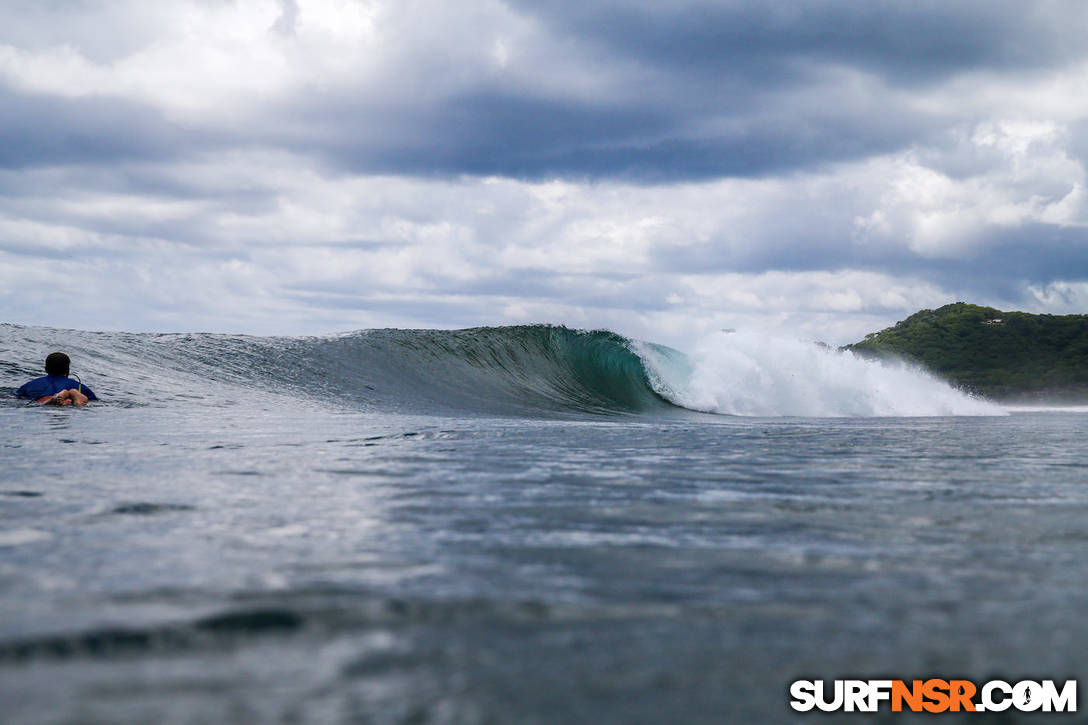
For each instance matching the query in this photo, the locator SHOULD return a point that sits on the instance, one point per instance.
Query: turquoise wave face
(520, 370)
(526, 370)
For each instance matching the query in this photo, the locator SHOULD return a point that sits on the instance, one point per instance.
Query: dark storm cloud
(769, 42)
(697, 90)
(999, 263)
(39, 130)
(716, 90)
(533, 138)
(495, 133)
(1037, 253)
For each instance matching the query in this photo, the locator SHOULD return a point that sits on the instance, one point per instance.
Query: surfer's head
(57, 363)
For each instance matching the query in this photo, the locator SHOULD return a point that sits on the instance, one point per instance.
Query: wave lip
(752, 374)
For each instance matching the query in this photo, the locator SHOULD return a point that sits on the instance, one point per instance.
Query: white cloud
(1029, 177)
(479, 250)
(211, 63)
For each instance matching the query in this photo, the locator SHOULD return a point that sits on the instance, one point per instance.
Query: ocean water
(518, 525)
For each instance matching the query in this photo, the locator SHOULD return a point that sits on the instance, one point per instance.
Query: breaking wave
(529, 370)
(753, 374)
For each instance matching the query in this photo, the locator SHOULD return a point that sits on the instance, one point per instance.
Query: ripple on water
(148, 509)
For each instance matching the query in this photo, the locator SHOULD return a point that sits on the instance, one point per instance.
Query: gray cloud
(720, 89)
(534, 138)
(39, 130)
(770, 43)
(716, 90)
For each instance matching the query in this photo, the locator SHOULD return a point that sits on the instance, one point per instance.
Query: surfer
(55, 387)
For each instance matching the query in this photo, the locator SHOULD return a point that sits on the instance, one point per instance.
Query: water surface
(349, 538)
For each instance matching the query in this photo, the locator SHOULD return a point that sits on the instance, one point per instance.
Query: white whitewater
(754, 374)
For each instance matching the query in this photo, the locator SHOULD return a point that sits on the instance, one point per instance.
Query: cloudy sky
(662, 168)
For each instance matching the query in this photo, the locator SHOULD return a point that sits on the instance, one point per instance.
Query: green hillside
(1002, 355)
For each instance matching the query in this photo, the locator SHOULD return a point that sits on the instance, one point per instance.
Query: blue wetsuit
(51, 385)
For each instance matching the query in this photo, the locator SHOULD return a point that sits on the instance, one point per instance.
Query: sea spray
(754, 374)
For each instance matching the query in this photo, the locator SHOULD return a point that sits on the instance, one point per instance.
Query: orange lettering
(961, 692)
(913, 695)
(937, 692)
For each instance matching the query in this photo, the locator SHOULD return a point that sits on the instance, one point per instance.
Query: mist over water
(754, 374)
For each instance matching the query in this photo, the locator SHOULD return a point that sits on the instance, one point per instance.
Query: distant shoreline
(1007, 357)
